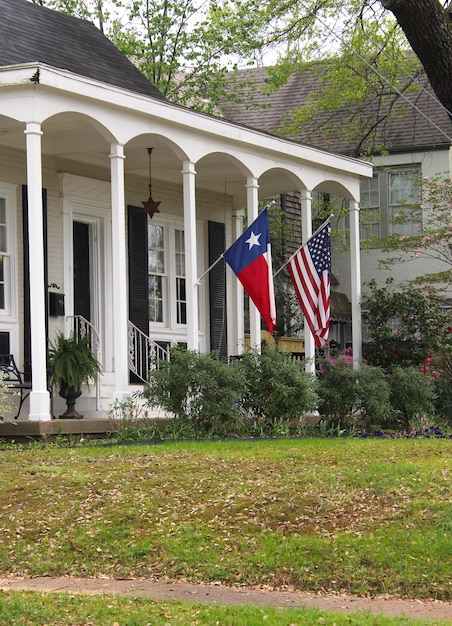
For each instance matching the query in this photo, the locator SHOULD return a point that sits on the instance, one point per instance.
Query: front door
(82, 270)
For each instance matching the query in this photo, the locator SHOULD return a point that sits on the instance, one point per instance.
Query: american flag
(310, 269)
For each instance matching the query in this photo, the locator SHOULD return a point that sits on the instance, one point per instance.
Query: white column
(119, 272)
(252, 188)
(39, 396)
(306, 225)
(237, 230)
(355, 260)
(191, 270)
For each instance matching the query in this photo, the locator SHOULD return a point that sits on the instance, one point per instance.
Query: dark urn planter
(70, 394)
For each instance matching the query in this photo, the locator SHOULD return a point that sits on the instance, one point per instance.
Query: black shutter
(217, 290)
(138, 271)
(26, 278)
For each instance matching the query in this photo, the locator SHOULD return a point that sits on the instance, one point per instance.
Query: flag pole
(296, 252)
(198, 282)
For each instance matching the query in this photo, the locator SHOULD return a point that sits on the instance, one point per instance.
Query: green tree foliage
(404, 325)
(188, 48)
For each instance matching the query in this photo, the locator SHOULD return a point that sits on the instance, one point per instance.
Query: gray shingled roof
(406, 130)
(31, 33)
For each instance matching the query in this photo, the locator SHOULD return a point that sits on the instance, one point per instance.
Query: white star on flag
(253, 240)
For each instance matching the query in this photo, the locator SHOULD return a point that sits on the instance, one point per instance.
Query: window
(166, 275)
(7, 197)
(390, 203)
(3, 251)
(181, 299)
(370, 205)
(404, 200)
(157, 275)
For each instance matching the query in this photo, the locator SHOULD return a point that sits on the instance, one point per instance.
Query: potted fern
(72, 364)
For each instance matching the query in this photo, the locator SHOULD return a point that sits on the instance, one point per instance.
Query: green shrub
(443, 401)
(258, 394)
(412, 393)
(349, 395)
(278, 389)
(197, 388)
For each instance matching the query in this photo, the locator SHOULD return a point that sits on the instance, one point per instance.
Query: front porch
(71, 188)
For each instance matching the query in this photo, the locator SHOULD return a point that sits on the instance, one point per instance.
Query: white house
(77, 120)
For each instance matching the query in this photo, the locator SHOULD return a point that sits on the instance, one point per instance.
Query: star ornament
(253, 240)
(151, 206)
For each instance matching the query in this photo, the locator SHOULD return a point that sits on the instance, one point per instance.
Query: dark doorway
(82, 284)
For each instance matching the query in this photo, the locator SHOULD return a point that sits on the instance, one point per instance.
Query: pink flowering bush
(404, 325)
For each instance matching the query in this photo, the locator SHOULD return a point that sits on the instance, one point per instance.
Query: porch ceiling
(67, 138)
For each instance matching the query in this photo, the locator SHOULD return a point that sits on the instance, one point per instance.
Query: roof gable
(31, 33)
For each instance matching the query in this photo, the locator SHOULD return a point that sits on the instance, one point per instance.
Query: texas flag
(251, 260)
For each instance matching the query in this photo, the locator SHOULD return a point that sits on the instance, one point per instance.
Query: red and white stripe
(313, 293)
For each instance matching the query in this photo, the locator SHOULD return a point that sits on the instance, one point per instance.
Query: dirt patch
(162, 590)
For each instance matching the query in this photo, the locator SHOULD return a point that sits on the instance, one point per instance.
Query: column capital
(116, 151)
(188, 167)
(252, 182)
(353, 205)
(33, 128)
(305, 194)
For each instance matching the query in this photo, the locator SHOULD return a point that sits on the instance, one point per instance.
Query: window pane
(370, 195)
(3, 242)
(370, 224)
(181, 301)
(404, 187)
(404, 198)
(2, 282)
(3, 239)
(370, 218)
(179, 252)
(156, 249)
(156, 298)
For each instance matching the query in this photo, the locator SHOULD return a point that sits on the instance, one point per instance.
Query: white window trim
(170, 330)
(169, 287)
(383, 212)
(9, 315)
(9, 193)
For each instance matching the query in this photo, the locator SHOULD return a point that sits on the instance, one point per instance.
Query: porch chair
(14, 380)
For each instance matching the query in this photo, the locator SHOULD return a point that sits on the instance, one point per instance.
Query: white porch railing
(144, 353)
(81, 328)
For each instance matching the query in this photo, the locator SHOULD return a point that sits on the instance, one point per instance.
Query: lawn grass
(365, 516)
(63, 609)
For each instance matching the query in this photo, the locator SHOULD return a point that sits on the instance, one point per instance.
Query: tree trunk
(428, 27)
